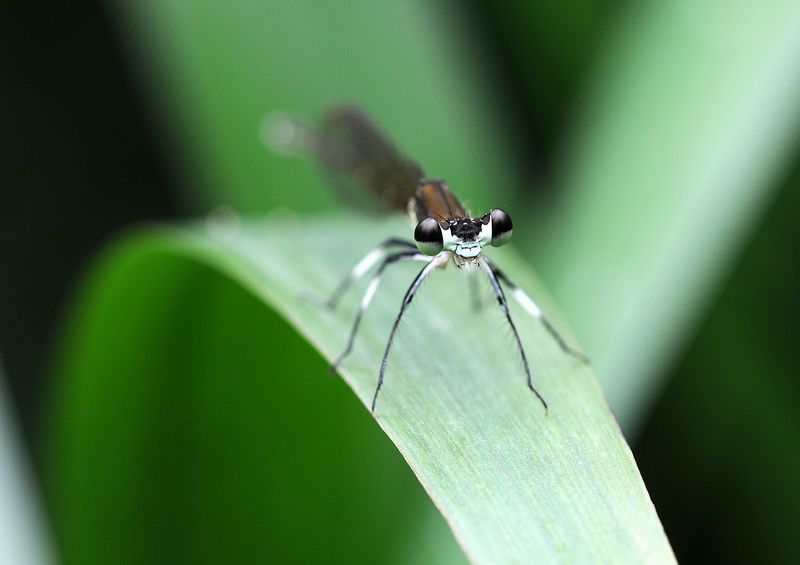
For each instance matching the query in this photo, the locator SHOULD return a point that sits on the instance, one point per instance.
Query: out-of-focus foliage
(23, 537)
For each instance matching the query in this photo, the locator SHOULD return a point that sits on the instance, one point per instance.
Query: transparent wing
(353, 150)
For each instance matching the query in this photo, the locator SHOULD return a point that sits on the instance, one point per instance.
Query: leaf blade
(474, 441)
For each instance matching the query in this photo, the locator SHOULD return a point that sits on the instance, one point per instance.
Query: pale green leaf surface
(514, 483)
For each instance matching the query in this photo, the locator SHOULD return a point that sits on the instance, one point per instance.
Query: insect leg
(494, 275)
(365, 265)
(529, 305)
(433, 263)
(373, 286)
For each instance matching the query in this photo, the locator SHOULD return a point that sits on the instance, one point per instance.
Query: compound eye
(501, 227)
(428, 236)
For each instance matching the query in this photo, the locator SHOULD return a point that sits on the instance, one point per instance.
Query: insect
(350, 146)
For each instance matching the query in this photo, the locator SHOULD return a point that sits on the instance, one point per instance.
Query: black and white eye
(501, 227)
(428, 237)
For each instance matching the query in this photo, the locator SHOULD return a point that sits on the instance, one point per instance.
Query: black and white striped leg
(365, 265)
(434, 262)
(407, 254)
(530, 306)
(494, 276)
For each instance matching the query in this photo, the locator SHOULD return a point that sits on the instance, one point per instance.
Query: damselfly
(349, 145)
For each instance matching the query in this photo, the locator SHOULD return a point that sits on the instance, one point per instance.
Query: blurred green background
(647, 151)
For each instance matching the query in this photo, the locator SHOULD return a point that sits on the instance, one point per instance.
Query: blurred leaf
(23, 536)
(689, 121)
(541, 51)
(176, 394)
(738, 500)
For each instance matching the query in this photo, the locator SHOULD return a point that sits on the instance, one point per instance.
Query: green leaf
(513, 483)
